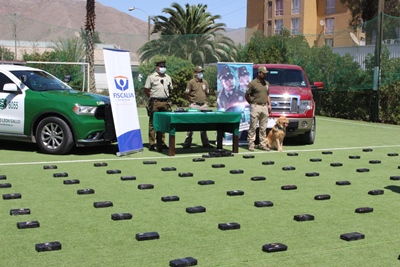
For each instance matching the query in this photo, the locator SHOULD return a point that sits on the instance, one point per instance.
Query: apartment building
(320, 21)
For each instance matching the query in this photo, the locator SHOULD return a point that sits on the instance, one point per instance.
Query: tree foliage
(365, 10)
(365, 14)
(89, 30)
(5, 53)
(65, 50)
(189, 33)
(282, 48)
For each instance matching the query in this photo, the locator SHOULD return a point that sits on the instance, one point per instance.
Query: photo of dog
(277, 134)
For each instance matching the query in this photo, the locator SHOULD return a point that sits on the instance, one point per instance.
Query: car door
(12, 107)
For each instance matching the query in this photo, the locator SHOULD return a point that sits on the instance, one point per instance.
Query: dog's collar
(279, 127)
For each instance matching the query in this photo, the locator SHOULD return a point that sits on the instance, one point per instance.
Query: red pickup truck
(291, 96)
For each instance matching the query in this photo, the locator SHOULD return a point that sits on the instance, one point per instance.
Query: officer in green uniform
(197, 91)
(257, 95)
(157, 87)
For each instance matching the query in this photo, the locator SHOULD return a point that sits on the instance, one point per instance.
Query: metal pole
(377, 70)
(15, 36)
(148, 20)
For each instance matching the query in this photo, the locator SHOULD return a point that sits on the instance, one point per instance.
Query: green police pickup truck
(37, 107)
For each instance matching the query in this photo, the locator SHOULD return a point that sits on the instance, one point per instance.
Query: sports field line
(361, 123)
(186, 156)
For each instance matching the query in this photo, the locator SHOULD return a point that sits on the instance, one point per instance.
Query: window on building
(295, 26)
(295, 6)
(329, 25)
(330, 7)
(269, 10)
(329, 42)
(269, 23)
(278, 26)
(279, 8)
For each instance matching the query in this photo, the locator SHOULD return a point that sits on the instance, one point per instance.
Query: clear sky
(232, 12)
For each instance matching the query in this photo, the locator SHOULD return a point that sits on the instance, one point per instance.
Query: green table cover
(171, 122)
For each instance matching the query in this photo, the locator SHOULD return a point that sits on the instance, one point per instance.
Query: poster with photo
(233, 79)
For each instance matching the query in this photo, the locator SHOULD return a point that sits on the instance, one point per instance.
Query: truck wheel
(308, 137)
(54, 136)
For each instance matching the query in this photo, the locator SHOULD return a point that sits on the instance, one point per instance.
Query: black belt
(198, 103)
(160, 99)
(261, 104)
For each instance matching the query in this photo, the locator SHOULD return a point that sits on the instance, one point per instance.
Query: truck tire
(53, 136)
(308, 137)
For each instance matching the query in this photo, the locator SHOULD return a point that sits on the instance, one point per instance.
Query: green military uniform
(258, 97)
(197, 91)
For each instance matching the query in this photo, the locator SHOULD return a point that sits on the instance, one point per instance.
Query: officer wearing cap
(257, 95)
(157, 87)
(196, 92)
(227, 96)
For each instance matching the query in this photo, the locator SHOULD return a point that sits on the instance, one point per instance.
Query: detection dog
(277, 134)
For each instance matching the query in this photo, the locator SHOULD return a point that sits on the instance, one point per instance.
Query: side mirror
(317, 85)
(10, 87)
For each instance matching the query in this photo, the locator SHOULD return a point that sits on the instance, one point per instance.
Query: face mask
(162, 70)
(200, 75)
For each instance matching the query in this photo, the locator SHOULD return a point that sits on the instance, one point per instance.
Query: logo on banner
(122, 84)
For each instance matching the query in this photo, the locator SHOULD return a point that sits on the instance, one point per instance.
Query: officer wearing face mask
(157, 87)
(197, 91)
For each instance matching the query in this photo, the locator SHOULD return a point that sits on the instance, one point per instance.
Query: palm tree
(89, 28)
(190, 34)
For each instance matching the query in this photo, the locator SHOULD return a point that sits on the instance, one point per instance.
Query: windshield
(285, 77)
(40, 80)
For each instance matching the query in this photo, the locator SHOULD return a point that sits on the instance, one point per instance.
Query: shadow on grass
(112, 149)
(80, 151)
(394, 188)
(91, 150)
(18, 146)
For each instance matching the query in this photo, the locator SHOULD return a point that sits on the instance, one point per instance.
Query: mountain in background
(49, 20)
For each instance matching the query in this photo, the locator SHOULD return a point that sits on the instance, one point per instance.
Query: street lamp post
(148, 21)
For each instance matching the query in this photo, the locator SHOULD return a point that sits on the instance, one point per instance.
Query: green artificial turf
(90, 238)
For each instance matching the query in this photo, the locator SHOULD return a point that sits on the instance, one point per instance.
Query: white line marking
(188, 156)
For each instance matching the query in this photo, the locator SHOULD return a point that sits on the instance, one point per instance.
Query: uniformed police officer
(227, 96)
(157, 87)
(257, 95)
(197, 91)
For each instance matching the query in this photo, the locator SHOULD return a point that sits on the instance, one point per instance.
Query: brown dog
(277, 134)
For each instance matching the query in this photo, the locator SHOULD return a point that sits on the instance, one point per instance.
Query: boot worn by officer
(164, 146)
(251, 146)
(208, 145)
(152, 148)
